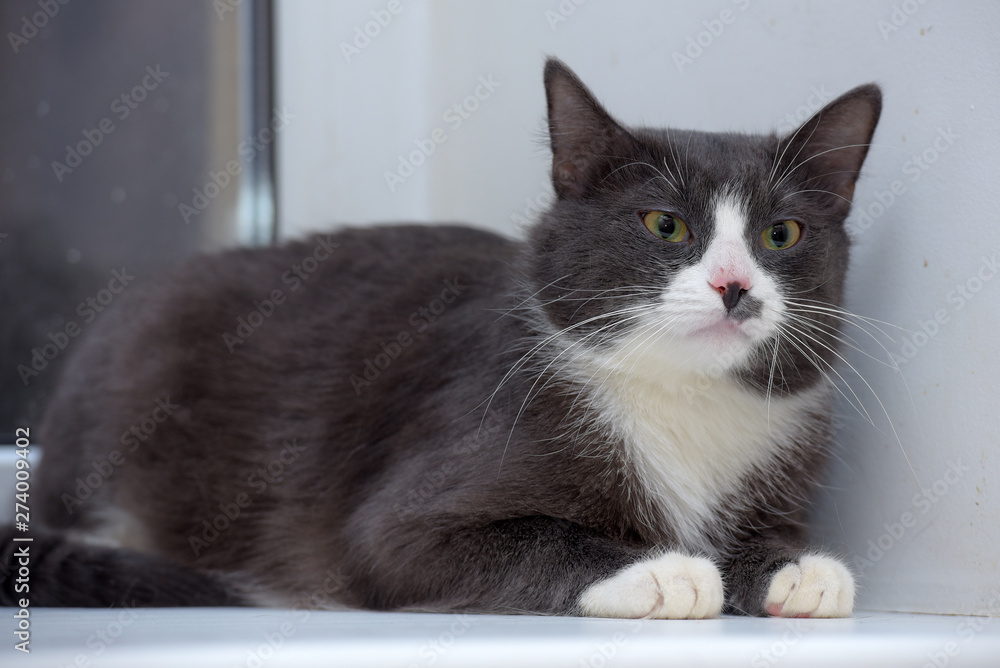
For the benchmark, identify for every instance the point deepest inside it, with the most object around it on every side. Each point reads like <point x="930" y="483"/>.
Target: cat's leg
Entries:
<point x="772" y="574"/>
<point x="539" y="565"/>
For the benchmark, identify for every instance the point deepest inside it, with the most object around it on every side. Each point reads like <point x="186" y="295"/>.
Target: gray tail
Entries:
<point x="54" y="571"/>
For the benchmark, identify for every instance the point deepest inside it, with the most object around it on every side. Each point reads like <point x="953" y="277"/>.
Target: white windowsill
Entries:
<point x="259" y="637"/>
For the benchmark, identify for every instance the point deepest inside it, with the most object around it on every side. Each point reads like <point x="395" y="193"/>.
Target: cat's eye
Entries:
<point x="781" y="235"/>
<point x="665" y="226"/>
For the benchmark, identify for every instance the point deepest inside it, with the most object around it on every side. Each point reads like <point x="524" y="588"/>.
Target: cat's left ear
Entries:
<point x="827" y="151"/>
<point x="585" y="138"/>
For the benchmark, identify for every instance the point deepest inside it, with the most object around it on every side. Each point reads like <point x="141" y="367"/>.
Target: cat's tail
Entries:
<point x="52" y="570"/>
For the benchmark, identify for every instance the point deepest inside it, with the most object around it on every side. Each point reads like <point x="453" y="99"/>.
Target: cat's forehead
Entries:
<point x="713" y="156"/>
<point x="706" y="168"/>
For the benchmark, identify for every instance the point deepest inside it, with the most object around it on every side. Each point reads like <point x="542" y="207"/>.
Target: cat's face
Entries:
<point x="697" y="250"/>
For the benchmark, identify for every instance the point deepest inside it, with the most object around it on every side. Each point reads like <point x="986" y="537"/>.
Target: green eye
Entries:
<point x="665" y="226"/>
<point x="781" y="235"/>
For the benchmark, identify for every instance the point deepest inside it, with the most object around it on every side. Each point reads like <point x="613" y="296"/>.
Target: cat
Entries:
<point x="622" y="415"/>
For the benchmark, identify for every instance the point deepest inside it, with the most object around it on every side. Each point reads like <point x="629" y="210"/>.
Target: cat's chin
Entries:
<point x="713" y="352"/>
<point x="709" y="350"/>
<point x="724" y="332"/>
<point x="724" y="342"/>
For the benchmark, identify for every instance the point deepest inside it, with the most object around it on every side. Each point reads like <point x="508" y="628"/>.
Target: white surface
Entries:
<point x="769" y="66"/>
<point x="199" y="637"/>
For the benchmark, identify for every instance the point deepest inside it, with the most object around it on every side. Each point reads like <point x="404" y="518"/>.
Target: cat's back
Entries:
<point x="251" y="349"/>
<point x="384" y="262"/>
<point x="243" y="302"/>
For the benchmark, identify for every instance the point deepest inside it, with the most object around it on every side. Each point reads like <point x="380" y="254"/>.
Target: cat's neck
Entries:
<point x="692" y="438"/>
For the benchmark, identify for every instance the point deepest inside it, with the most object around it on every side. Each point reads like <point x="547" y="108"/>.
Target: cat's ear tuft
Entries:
<point x="584" y="136"/>
<point x="827" y="151"/>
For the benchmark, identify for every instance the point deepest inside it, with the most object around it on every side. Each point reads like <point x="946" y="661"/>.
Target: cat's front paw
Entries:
<point x="671" y="586"/>
<point x="816" y="586"/>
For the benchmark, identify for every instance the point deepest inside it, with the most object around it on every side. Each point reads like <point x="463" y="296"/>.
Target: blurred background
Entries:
<point x="135" y="133"/>
<point x="113" y="114"/>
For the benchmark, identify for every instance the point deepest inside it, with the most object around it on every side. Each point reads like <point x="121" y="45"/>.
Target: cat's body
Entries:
<point x="443" y="419"/>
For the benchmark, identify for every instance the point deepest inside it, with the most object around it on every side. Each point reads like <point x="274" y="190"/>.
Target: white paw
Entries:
<point x="671" y="586"/>
<point x="815" y="587"/>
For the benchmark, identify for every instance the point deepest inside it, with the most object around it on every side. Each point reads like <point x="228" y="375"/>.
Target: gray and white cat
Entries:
<point x="624" y="415"/>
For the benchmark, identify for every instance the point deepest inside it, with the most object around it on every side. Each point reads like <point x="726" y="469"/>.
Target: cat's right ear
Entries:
<point x="828" y="150"/>
<point x="584" y="137"/>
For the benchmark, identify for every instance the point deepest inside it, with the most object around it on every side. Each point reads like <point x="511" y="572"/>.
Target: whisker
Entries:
<point x="834" y="333"/>
<point x="813" y="359"/>
<point x="789" y="142"/>
<point x="829" y="150"/>
<point x="660" y="174"/>
<point x="529" y="394"/>
<point x="531" y="296"/>
<point x="814" y="190"/>
<point x="770" y="378"/>
<point x="874" y="394"/>
<point x="830" y="308"/>
<point x="539" y="346"/>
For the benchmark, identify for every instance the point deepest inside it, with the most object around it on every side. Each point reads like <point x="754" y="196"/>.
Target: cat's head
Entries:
<point x="698" y="250"/>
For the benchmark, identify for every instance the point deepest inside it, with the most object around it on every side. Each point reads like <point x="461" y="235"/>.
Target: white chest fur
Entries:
<point x="692" y="438"/>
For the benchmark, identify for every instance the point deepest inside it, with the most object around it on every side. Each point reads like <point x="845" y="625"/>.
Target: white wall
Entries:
<point x="938" y="67"/>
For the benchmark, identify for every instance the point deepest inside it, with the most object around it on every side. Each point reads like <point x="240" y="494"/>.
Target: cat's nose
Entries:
<point x="731" y="292"/>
